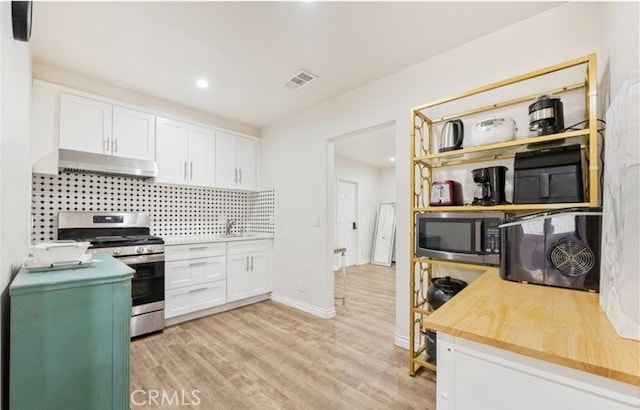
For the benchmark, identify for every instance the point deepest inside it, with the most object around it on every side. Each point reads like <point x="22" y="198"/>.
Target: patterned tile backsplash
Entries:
<point x="174" y="210"/>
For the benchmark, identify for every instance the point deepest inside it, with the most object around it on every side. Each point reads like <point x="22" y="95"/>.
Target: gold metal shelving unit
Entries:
<point x="424" y="161"/>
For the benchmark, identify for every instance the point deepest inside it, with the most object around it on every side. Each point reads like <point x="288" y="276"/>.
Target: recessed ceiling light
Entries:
<point x="392" y="159"/>
<point x="202" y="83"/>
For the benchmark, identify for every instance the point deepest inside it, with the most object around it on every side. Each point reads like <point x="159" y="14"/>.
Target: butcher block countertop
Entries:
<point x="562" y="326"/>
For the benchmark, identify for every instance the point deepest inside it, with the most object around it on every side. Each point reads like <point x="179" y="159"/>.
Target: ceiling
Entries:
<point x="373" y="148"/>
<point x="247" y="50"/>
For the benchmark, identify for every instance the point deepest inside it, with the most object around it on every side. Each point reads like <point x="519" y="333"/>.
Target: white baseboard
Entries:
<point x="216" y="309"/>
<point x="305" y="307"/>
<point x="401" y="341"/>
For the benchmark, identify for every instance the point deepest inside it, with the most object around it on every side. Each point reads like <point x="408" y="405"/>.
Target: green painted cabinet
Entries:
<point x="70" y="337"/>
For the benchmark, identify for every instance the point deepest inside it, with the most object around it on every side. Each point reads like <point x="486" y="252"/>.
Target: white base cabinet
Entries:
<point x="248" y="271"/>
<point x="195" y="278"/>
<point x="219" y="275"/>
<point x="474" y="376"/>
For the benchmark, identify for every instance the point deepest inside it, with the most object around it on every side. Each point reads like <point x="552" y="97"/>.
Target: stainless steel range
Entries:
<point x="126" y="236"/>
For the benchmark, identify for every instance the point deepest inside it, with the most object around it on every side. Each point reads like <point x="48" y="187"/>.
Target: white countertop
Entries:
<point x="185" y="240"/>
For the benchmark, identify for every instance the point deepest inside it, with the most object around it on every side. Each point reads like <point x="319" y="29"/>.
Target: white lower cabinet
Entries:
<point x="474" y="376"/>
<point x="195" y="278"/>
<point x="248" y="271"/>
<point x="209" y="275"/>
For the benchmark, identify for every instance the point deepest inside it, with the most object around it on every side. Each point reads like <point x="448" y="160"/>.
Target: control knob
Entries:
<point x="139" y="249"/>
<point x="150" y="249"/>
<point x="116" y="252"/>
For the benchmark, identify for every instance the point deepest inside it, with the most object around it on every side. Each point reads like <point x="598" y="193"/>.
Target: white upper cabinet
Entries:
<point x="85" y="125"/>
<point x="171" y="151"/>
<point x="202" y="156"/>
<point x="133" y="134"/>
<point x="185" y="154"/>
<point x="93" y="126"/>
<point x="235" y="162"/>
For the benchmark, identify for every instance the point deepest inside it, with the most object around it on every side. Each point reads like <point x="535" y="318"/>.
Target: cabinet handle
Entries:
<point x="236" y="177"/>
<point x="115" y="145"/>
<point x="252" y="264"/>
<point x="197" y="248"/>
<point x="185" y="170"/>
<point x="106" y="146"/>
<point x="197" y="290"/>
<point x="240" y="173"/>
<point x="197" y="263"/>
<point x="191" y="170"/>
<point x="247" y="269"/>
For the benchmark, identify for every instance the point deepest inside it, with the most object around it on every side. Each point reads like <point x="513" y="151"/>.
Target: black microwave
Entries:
<point x="472" y="237"/>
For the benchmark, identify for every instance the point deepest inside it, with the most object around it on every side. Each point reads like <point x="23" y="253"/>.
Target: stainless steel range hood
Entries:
<point x="88" y="162"/>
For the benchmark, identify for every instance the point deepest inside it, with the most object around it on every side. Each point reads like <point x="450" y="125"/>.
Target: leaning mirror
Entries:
<point x="385" y="234"/>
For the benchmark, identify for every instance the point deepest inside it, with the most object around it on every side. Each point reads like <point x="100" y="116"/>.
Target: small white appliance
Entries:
<point x="493" y="130"/>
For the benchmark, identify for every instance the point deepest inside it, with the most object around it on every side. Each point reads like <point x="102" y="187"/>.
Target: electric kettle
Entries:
<point x="451" y="136"/>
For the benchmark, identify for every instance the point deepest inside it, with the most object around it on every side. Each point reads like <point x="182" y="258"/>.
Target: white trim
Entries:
<point x="305" y="307"/>
<point x="401" y="341"/>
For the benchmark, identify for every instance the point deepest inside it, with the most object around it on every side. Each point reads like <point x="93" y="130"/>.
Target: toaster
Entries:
<point x="446" y="192"/>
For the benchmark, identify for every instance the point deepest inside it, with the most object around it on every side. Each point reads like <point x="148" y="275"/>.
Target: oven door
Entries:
<point x="147" y="284"/>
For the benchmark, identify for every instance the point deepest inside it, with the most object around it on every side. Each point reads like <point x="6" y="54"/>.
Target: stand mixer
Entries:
<point x="489" y="185"/>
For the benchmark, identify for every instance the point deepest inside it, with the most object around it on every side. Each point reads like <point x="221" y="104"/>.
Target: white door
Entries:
<point x="133" y="134"/>
<point x="226" y="155"/>
<point x="238" y="276"/>
<point x="85" y="125"/>
<point x="246" y="163"/>
<point x="202" y="156"/>
<point x="347" y="222"/>
<point x="171" y="151"/>
<point x="259" y="277"/>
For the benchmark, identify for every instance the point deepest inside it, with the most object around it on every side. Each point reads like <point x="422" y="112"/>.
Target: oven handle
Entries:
<point x="133" y="260"/>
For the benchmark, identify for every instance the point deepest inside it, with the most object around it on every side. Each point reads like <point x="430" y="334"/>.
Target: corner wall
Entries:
<point x="15" y="172"/>
<point x="294" y="149"/>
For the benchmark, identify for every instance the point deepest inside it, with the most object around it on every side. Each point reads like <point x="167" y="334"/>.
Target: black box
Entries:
<point x="552" y="175"/>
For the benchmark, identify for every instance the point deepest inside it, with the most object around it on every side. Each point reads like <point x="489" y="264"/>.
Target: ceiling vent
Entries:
<point x="301" y="78"/>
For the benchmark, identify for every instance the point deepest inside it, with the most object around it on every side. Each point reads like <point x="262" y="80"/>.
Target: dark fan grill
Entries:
<point x="572" y="258"/>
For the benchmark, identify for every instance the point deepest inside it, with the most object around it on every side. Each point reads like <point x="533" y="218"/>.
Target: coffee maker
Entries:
<point x="490" y="185"/>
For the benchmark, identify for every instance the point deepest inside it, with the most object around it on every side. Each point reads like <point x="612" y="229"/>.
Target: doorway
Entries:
<point x="347" y="221"/>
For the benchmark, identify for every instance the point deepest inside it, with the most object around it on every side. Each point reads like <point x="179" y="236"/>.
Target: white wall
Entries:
<point x="295" y="154"/>
<point x="15" y="171"/>
<point x="387" y="188"/>
<point x="368" y="200"/>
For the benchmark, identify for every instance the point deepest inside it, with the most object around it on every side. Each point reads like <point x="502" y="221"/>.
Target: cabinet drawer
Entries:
<point x="192" y="272"/>
<point x="193" y="298"/>
<point x="237" y="247"/>
<point x="194" y="251"/>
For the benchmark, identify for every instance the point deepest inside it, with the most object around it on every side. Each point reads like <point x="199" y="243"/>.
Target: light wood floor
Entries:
<point x="269" y="356"/>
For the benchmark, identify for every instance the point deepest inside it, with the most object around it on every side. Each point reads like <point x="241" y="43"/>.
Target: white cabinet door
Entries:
<point x="193" y="272"/>
<point x="133" y="134"/>
<point x="85" y="125"/>
<point x="246" y="163"/>
<point x="44" y="128"/>
<point x="189" y="299"/>
<point x="202" y="156"/>
<point x="259" y="274"/>
<point x="226" y="154"/>
<point x="171" y="151"/>
<point x="237" y="277"/>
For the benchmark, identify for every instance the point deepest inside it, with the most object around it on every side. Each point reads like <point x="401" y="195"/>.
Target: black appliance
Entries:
<point x="440" y="292"/>
<point x="552" y="175"/>
<point x="126" y="236"/>
<point x="490" y="185"/>
<point x="546" y="116"/>
<point x="472" y="237"/>
<point x="557" y="248"/>
<point x="451" y="136"/>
